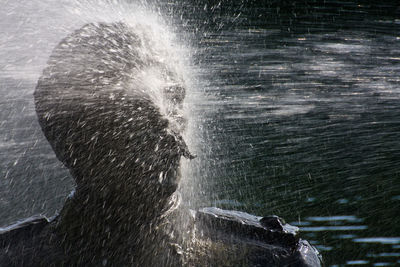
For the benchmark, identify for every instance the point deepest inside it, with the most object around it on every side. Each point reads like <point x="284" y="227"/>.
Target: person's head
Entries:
<point x="113" y="139"/>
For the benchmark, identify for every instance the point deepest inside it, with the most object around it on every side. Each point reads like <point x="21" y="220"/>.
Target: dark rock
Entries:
<point x="306" y="254"/>
<point x="250" y="242"/>
<point x="243" y="224"/>
<point x="273" y="222"/>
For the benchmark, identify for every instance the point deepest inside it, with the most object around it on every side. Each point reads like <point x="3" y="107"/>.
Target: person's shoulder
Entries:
<point x="22" y="230"/>
<point x="20" y="241"/>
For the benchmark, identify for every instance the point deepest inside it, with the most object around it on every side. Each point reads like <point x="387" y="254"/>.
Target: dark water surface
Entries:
<point x="306" y="120"/>
<point x="301" y="119"/>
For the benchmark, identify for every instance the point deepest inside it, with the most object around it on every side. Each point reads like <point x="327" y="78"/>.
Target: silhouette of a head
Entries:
<point x="101" y="123"/>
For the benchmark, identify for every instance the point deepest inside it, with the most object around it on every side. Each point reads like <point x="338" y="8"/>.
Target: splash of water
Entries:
<point x="41" y="24"/>
<point x="166" y="52"/>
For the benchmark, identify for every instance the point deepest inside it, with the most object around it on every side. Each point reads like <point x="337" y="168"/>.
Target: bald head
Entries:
<point x="100" y="120"/>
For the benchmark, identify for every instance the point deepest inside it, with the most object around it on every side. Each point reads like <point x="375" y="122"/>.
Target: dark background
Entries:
<point x="306" y="100"/>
